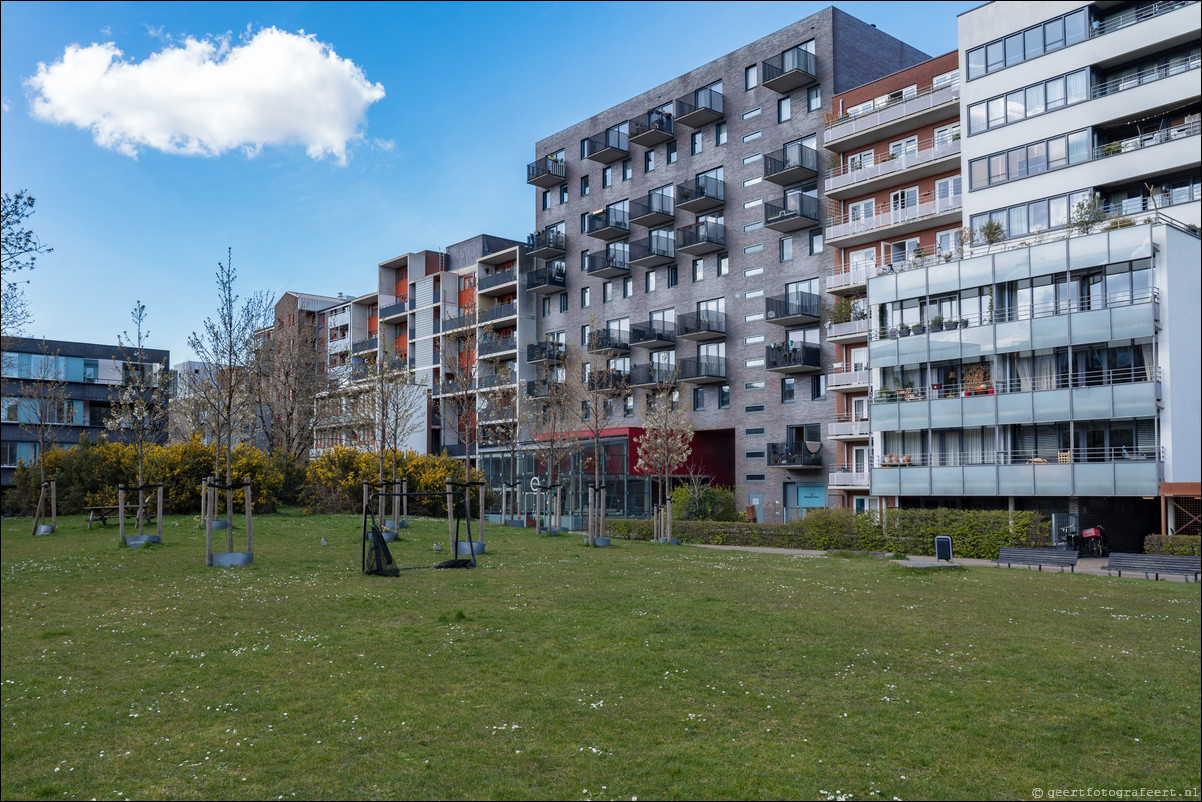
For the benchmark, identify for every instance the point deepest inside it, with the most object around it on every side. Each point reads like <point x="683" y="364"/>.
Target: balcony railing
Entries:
<point x="791" y="164"/>
<point x="642" y="375"/>
<point x="700" y="238"/>
<point x="658" y="249"/>
<point x="700" y="108"/>
<point x="541" y="388"/>
<point x="370" y="344"/>
<point x="896" y="110"/>
<point x="656" y="209"/>
<point x="497" y="345"/>
<point x="1158" y="137"/>
<point x="793" y="213"/>
<point x="928" y="157"/>
<point x="490" y="381"/>
<point x="703" y="194"/>
<point x="611" y="381"/>
<point x="925" y="210"/>
<point x="611" y="224"/>
<point x="463" y="321"/>
<point x="546" y="351"/>
<point x="702" y="369"/>
<point x="795" y="454"/>
<point x="400" y="307"/>
<point x="847" y="479"/>
<point x="546" y="173"/>
<point x="604" y="341"/>
<point x="653" y="334"/>
<point x="546" y="279"/>
<point x="547" y="244"/>
<point x="791" y="309"/>
<point x="1035" y="456"/>
<point x="1027" y="384"/>
<point x="497" y="312"/>
<point x="653" y="128"/>
<point x="610" y="264"/>
<point x="702" y="325"/>
<point x="607" y="146"/>
<point x="846" y="427"/>
<point x="497" y="279"/>
<point x="795" y="358"/>
<point x="791" y="70"/>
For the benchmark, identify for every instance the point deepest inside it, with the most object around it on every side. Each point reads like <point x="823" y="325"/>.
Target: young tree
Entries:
<point x="21" y="248"/>
<point x="992" y="232"/>
<point x="395" y="403"/>
<point x="502" y="423"/>
<point x="226" y="347"/>
<point x="666" y="442"/>
<point x="1087" y="214"/>
<point x="43" y="408"/>
<point x="285" y="384"/>
<point x="138" y="406"/>
<point x="552" y="417"/>
<point x="598" y="393"/>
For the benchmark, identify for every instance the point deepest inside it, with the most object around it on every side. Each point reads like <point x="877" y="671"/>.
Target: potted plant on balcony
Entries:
<point x="937" y="323"/>
<point x="903" y="330"/>
<point x="951" y="325"/>
<point x="919" y="328"/>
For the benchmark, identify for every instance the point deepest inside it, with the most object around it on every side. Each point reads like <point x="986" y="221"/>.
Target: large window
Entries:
<point x="1029" y="44"/>
<point x="1027" y="160"/>
<point x="1050" y="95"/>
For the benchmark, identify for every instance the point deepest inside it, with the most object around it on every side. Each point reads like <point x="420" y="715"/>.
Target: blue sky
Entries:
<point x="396" y="128"/>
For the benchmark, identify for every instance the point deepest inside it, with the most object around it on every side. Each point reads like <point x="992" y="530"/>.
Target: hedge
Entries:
<point x="975" y="533"/>
<point x="1178" y="545"/>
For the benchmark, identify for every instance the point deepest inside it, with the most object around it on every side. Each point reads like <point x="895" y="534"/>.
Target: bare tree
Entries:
<point x="502" y="423"/>
<point x="395" y="403"/>
<point x="552" y="417"/>
<point x="285" y="384"/>
<point x="598" y="391"/>
<point x="458" y="382"/>
<point x="139" y="403"/>
<point x="43" y="407"/>
<point x="21" y="248"/>
<point x="666" y="442"/>
<point x="226" y="346"/>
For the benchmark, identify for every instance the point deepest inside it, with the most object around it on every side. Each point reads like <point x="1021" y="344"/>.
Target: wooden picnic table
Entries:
<point x="103" y="512"/>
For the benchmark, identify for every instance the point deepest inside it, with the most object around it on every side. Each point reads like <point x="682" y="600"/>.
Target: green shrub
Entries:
<point x="708" y="503"/>
<point x="1177" y="545"/>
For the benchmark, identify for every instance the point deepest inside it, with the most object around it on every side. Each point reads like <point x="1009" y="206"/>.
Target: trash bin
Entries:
<point x="943" y="548"/>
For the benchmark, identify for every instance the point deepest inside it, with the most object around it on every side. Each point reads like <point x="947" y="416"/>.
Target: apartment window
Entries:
<point x="755" y="157"/>
<point x="698" y="398"/>
<point x="787" y="390"/>
<point x="628" y="409"/>
<point x="947" y="133"/>
<point x="698" y="269"/>
<point x="628" y="286"/>
<point x="818" y="386"/>
<point x="563" y="302"/>
<point x="817" y="242"/>
<point x="672" y="152"/>
<point x="649" y="281"/>
<point x="648" y="161"/>
<point x="755" y="385"/>
<point x="786" y="249"/>
<point x="584" y="148"/>
<point x="751" y="77"/>
<point x="546" y="305"/>
<point x="695" y="143"/>
<point x="814" y="98"/>
<point x="563" y="193"/>
<point x="673" y="277"/>
<point x="723" y="263"/>
<point x="1029" y="44"/>
<point x="754" y="409"/>
<point x="607" y="177"/>
<point x="584" y="299"/>
<point x="751" y="182"/>
<point x="784" y="110"/>
<point x="747" y="115"/>
<point x="607" y="292"/>
<point x="584" y="335"/>
<point x="754" y="431"/>
<point x="583" y="185"/>
<point x="756" y="226"/>
<point x="753" y="136"/>
<point x="750" y="249"/>
<point x="724" y="397"/>
<point x="583" y="222"/>
<point x="720" y="134"/>
<point x="627" y="169"/>
<point x="546" y="199"/>
<point x="752" y="272"/>
<point x="584" y="260"/>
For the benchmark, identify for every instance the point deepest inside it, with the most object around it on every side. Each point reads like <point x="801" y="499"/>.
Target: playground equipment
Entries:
<point x="377" y="559"/>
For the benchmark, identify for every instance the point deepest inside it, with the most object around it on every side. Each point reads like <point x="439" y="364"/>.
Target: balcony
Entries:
<point x="498" y="312"/>
<point x="928" y="211"/>
<point x="458" y="385"/>
<point x="493" y="345"/>
<point x="848" y="428"/>
<point x="464" y="321"/>
<point x="653" y="128"/>
<point x="546" y="280"/>
<point x="791" y="70"/>
<point x="793" y="358"/>
<point x="609" y="342"/>
<point x="551" y="353"/>
<point x="495" y="381"/>
<point x="658" y="249"/>
<point x="541" y="388"/>
<point x="700" y="238"/>
<point x="848" y="378"/>
<point x="701" y="326"/>
<point x="703" y="194"/>
<point x="852" y="331"/>
<point x="370" y="344"/>
<point x="791" y="164"/>
<point x="608" y="146"/>
<point x="657" y="209"/>
<point x="702" y="370"/>
<point x="847" y="480"/>
<point x="496" y="283"/>
<point x="865" y="176"/>
<point x="614" y="381"/>
<point x="643" y="375"/>
<point x="401" y="307"/>
<point x="700" y="108"/>
<point x="793" y="213"/>
<point x="896" y="114"/>
<point x="546" y="173"/>
<point x="611" y="264"/>
<point x="548" y="244"/>
<point x="654" y="334"/>
<point x="610" y="224"/>
<point x="796" y="454"/>
<point x="460" y="450"/>
<point x="850" y="279"/>
<point x="793" y="309"/>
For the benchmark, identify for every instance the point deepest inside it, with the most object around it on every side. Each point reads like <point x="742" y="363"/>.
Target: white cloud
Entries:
<point x="206" y="97"/>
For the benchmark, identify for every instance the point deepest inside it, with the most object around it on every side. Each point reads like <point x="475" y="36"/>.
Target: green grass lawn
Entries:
<point x="555" y="671"/>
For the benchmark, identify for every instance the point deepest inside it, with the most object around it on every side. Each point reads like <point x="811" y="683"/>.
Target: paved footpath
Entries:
<point x="1085" y="565"/>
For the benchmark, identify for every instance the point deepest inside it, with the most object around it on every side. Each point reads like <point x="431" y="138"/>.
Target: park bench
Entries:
<point x="1038" y="557"/>
<point x="108" y="511"/>
<point x="1155" y="564"/>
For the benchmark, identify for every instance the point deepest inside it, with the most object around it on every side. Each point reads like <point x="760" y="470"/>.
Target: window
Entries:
<point x="563" y="302"/>
<point x="818" y="386"/>
<point x="672" y="276"/>
<point x="723" y="263"/>
<point x="755" y="385"/>
<point x="751" y="77"/>
<point x="628" y="286"/>
<point x="814" y="98"/>
<point x="947" y="133"/>
<point x="607" y="177"/>
<point x="583" y="225"/>
<point x="786" y="249"/>
<point x="583" y="340"/>
<point x="753" y="409"/>
<point x="787" y="390"/>
<point x="584" y="148"/>
<point x="747" y="115"/>
<point x="649" y="281"/>
<point x="563" y="193"/>
<point x="584" y="260"/>
<point x="755" y="157"/>
<point x="698" y="398"/>
<point x="753" y="136"/>
<point x="750" y="249"/>
<point x="754" y="431"/>
<point x="724" y="397"/>
<point x="698" y="269"/>
<point x="628" y="410"/>
<point x="627" y="169"/>
<point x="546" y="199"/>
<point x="695" y="143"/>
<point x="816" y="241"/>
<point x="583" y="185"/>
<point x="584" y="299"/>
<point x="648" y="160"/>
<point x="672" y="152"/>
<point x="546" y="305"/>
<point x="720" y="134"/>
<point x="755" y="339"/>
<point x="784" y="110"/>
<point x="607" y="292"/>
